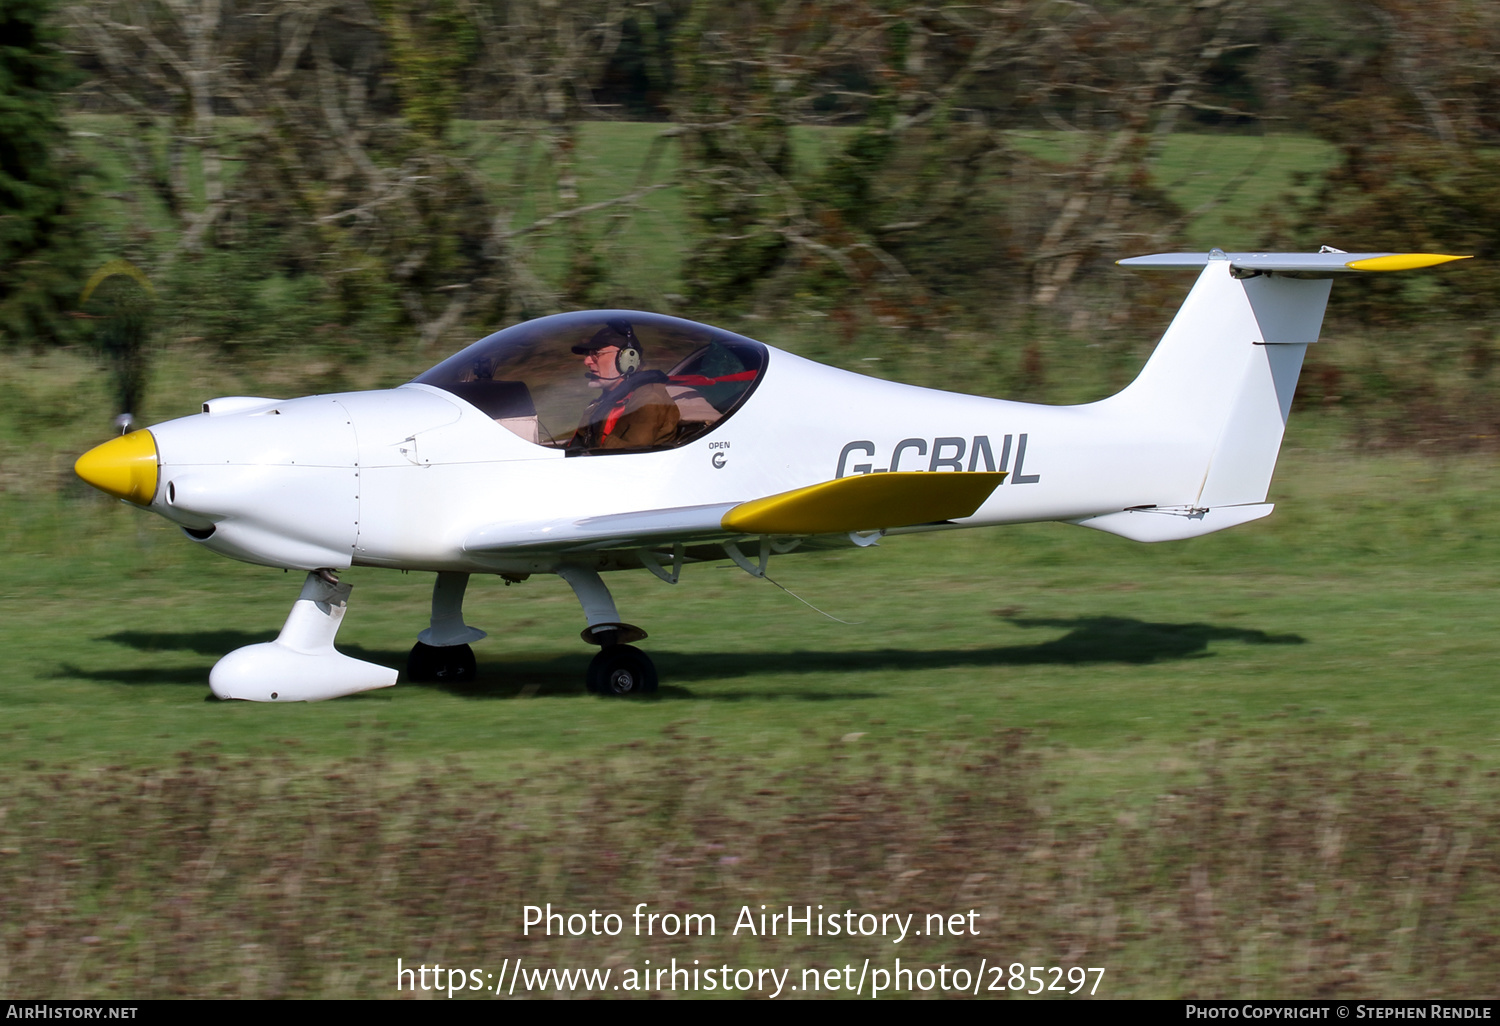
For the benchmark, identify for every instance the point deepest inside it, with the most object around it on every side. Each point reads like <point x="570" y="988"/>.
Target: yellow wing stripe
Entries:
<point x="1402" y="261"/>
<point x="865" y="502"/>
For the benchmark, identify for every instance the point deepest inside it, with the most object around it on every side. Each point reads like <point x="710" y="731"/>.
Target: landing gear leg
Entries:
<point x="442" y="653"/>
<point x="619" y="668"/>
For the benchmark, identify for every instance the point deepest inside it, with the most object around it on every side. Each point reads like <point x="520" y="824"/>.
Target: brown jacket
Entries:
<point x="645" y="417"/>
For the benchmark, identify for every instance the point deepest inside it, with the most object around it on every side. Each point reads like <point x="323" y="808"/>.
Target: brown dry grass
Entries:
<point x="1286" y="871"/>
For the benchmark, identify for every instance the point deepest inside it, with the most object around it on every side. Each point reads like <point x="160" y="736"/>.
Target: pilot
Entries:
<point x="634" y="409"/>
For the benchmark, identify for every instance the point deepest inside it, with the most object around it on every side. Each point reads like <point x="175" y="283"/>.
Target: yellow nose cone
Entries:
<point x="125" y="467"/>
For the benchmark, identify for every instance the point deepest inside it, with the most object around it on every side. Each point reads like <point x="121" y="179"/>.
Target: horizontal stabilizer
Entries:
<point x="866" y="502"/>
<point x="1292" y="263"/>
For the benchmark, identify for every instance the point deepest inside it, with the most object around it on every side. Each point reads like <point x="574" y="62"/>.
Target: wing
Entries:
<point x="858" y="504"/>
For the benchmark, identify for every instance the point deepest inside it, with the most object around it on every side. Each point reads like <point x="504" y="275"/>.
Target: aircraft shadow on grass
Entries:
<point x="1089" y="640"/>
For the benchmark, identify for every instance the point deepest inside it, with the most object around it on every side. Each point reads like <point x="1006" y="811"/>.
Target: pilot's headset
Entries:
<point x="630" y="356"/>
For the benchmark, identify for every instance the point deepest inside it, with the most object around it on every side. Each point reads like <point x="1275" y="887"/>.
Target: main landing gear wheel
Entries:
<point x="621" y="670"/>
<point x="446" y="664"/>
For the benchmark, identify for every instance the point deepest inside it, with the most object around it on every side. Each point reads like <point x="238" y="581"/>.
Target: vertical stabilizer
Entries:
<point x="1207" y="413"/>
<point x="1225" y="372"/>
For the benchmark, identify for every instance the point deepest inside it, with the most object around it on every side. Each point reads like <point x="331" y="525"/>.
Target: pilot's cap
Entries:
<point x="614" y="333"/>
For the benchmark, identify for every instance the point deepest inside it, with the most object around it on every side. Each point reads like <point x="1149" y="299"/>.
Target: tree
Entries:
<point x="929" y="201"/>
<point x="41" y="182"/>
<point x="1417" y="167"/>
<point x="170" y="64"/>
<point x="1417" y="170"/>
<point x="344" y="174"/>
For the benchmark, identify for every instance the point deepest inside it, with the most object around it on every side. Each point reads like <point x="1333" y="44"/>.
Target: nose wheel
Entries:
<point x="621" y="670"/>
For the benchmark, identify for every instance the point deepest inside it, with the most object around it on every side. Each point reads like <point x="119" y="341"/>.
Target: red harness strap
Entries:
<point x="613" y="417"/>
<point x="699" y="380"/>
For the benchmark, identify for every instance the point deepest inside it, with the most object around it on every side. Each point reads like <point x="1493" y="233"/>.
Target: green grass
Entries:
<point x="1362" y="606"/>
<point x="644" y="254"/>
<point x="1246" y="175"/>
<point x="1243" y="176"/>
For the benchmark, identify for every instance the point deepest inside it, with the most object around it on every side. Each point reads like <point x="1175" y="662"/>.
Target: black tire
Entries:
<point x="447" y="664"/>
<point x="621" y="670"/>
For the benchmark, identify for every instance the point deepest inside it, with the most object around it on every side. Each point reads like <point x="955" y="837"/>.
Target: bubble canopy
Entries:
<point x="529" y="380"/>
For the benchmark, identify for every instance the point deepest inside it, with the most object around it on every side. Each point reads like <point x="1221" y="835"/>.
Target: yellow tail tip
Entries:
<point x="1403" y="261"/>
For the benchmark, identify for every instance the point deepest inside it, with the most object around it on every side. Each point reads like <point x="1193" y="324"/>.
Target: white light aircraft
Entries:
<point x="615" y="440"/>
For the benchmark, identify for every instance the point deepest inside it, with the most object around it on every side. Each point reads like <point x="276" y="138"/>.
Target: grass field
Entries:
<point x="1331" y="667"/>
<point x="1361" y="607"/>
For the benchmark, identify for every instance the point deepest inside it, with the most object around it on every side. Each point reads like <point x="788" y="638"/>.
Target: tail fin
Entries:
<point x="1226" y="369"/>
